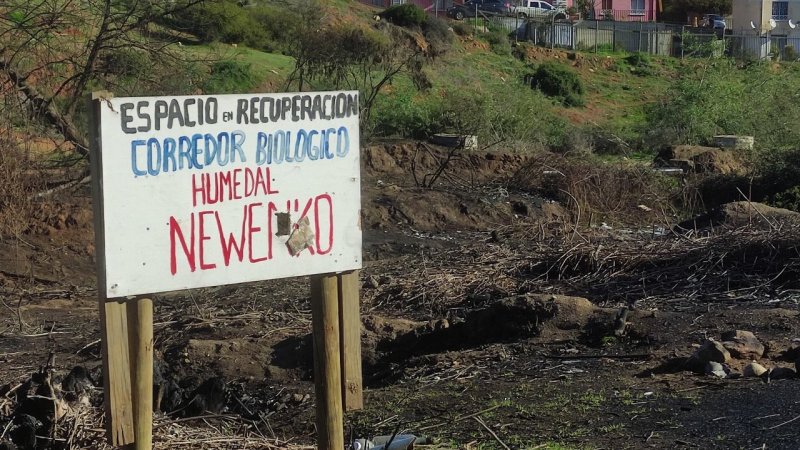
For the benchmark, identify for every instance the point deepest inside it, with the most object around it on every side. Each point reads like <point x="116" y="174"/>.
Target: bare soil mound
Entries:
<point x="434" y="189"/>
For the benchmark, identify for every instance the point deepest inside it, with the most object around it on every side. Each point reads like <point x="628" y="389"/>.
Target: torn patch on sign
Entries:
<point x="301" y="237"/>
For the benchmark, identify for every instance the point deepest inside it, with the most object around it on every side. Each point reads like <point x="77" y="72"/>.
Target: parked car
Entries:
<point x="536" y="8"/>
<point x="486" y="7"/>
<point x="714" y="21"/>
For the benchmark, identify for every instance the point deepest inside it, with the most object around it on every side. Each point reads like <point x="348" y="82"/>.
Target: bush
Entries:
<point x="463" y="29"/>
<point x="220" y="20"/>
<point x="437" y="32"/>
<point x="789" y="199"/>
<point x="498" y="43"/>
<point x="789" y="53"/>
<point x="405" y="15"/>
<point x="557" y="80"/>
<point x="506" y="113"/>
<point x="228" y="77"/>
<point x="723" y="98"/>
<point x="281" y="27"/>
<point x="126" y="62"/>
<point x="639" y="59"/>
<point x="641" y="63"/>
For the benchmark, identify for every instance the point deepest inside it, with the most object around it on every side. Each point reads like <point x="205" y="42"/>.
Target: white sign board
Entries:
<point x="210" y="190"/>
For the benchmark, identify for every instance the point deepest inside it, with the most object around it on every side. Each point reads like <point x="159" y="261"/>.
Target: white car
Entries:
<point x="535" y="8"/>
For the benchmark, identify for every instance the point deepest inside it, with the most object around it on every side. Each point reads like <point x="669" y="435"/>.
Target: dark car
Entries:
<point x="485" y="7"/>
<point x="713" y="21"/>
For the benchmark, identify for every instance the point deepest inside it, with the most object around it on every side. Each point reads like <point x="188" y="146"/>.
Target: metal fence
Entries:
<point x="649" y="37"/>
<point x="623" y="15"/>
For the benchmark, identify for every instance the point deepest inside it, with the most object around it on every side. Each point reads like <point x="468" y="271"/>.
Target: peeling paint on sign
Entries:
<point x="301" y="237"/>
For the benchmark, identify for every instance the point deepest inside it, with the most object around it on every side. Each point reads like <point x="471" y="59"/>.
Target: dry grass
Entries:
<point x="593" y="189"/>
<point x="744" y="264"/>
<point x="18" y="182"/>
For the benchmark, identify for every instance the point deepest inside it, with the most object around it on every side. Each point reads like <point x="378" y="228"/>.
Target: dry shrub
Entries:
<point x="605" y="191"/>
<point x="18" y="182"/>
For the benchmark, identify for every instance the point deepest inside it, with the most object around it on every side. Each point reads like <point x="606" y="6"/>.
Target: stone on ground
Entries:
<point x="754" y="369"/>
<point x="709" y="351"/>
<point x="742" y="344"/>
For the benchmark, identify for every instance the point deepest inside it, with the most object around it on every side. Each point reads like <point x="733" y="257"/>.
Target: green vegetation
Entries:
<point x="725" y="98"/>
<point x="498" y="42"/>
<point x="229" y="77"/>
<point x="641" y="63"/>
<point x="404" y="15"/>
<point x="417" y="77"/>
<point x="558" y="80"/>
<point x="463" y="29"/>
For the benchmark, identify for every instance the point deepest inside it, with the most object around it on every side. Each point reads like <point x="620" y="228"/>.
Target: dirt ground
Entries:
<point x="489" y="320"/>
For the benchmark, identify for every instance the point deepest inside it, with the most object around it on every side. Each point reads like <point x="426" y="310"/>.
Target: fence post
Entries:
<point x="596" y="31"/>
<point x="641" y="29"/>
<point x="683" y="37"/>
<point x="476" y="19"/>
<point x="658" y="49"/>
<point x="613" y="36"/>
<point x="573" y="34"/>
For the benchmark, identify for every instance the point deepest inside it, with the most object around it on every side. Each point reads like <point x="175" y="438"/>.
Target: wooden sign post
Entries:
<point x="198" y="191"/>
<point x="140" y="343"/>
<point x="350" y="340"/>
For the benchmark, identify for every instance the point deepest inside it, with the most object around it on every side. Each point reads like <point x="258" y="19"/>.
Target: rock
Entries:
<point x="734" y="142"/>
<point x="742" y="344"/>
<point x="792" y="354"/>
<point x="754" y="369"/>
<point x="716" y="369"/>
<point x="297" y="398"/>
<point x="781" y="373"/>
<point x="709" y="351"/>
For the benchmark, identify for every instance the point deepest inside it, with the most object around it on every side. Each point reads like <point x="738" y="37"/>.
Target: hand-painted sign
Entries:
<point x="211" y="190"/>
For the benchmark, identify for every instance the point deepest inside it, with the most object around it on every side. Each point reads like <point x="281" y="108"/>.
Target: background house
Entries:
<point x="624" y="10"/>
<point x="760" y="12"/>
<point x="769" y="25"/>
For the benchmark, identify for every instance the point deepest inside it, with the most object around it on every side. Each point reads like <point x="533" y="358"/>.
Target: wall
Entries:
<point x="745" y="11"/>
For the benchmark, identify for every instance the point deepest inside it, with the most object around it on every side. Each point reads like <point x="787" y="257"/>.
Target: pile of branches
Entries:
<point x="729" y="265"/>
<point x="45" y="411"/>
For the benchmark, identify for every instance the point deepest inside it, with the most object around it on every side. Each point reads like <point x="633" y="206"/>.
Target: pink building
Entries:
<point x="624" y="10"/>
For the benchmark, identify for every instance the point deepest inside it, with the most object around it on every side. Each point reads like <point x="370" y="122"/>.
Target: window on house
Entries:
<point x="607" y="5"/>
<point x="398" y="2"/>
<point x="780" y="10"/>
<point x="637" y="6"/>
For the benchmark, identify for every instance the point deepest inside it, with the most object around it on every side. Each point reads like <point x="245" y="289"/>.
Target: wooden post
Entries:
<point x="116" y="372"/>
<point x="327" y="366"/>
<point x="113" y="315"/>
<point x="350" y="341"/>
<point x="140" y="335"/>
